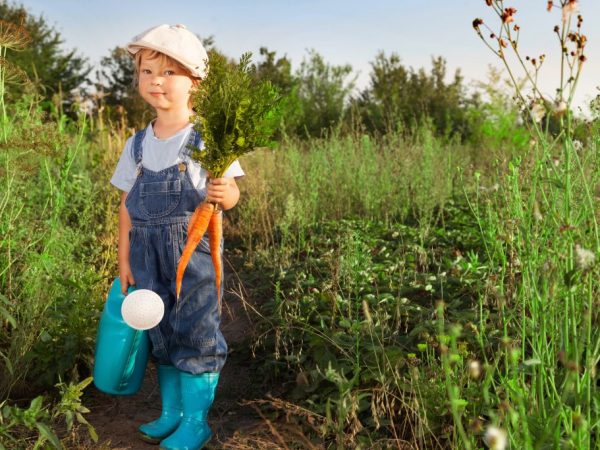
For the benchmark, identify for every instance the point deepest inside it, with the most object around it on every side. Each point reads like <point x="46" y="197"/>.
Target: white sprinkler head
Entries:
<point x="142" y="309"/>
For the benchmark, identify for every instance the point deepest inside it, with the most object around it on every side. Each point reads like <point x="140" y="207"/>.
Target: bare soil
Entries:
<point x="116" y="418"/>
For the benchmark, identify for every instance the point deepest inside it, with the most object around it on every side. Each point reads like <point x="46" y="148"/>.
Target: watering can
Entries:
<point x="121" y="351"/>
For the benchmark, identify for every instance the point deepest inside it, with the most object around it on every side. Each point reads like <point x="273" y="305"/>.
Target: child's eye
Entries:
<point x="170" y="72"/>
<point x="145" y="70"/>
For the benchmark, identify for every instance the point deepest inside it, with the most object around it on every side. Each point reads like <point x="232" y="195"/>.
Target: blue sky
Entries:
<point x="343" y="31"/>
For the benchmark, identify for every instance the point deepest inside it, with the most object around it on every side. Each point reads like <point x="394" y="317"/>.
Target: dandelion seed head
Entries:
<point x="537" y="112"/>
<point x="474" y="369"/>
<point x="495" y="438"/>
<point x="584" y="258"/>
<point x="560" y="108"/>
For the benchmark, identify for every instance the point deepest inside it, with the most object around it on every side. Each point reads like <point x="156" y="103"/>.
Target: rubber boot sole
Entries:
<point x="202" y="445"/>
<point x="149" y="439"/>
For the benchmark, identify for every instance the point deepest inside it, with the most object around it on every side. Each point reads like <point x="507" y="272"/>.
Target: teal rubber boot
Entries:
<point x="170" y="394"/>
<point x="197" y="395"/>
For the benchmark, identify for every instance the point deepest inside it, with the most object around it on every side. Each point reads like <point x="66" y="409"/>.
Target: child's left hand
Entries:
<point x="223" y="191"/>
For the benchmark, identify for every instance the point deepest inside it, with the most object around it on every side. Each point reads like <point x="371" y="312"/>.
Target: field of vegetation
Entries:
<point x="416" y="281"/>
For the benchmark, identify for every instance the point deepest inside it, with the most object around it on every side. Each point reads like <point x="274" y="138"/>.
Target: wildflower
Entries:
<point x="560" y="108"/>
<point x="488" y="2"/>
<point x="502" y="42"/>
<point x="537" y="112"/>
<point x="495" y="438"/>
<point x="549" y="6"/>
<point x="583" y="258"/>
<point x="477" y="23"/>
<point x="577" y="145"/>
<point x="507" y="15"/>
<point x="474" y="369"/>
<point x="570" y="7"/>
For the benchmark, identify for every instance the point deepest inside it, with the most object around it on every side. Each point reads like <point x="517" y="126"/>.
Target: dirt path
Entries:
<point x="116" y="418"/>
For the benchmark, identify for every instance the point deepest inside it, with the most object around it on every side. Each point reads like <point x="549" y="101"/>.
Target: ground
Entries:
<point x="116" y="418"/>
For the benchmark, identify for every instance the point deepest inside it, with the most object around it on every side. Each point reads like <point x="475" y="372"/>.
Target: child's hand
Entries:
<point x="223" y="191"/>
<point x="126" y="278"/>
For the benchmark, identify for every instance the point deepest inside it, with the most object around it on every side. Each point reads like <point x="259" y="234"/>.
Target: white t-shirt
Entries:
<point x="158" y="154"/>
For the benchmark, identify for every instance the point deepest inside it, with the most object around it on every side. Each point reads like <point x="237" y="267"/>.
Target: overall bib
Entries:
<point x="160" y="204"/>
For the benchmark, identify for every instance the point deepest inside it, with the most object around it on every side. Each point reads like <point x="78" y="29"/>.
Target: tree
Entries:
<point x="322" y="91"/>
<point x="52" y="69"/>
<point x="398" y="96"/>
<point x="279" y="72"/>
<point x="116" y="78"/>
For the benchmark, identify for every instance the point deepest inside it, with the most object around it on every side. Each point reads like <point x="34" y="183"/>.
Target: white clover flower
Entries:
<point x="583" y="258"/>
<point x="577" y="145"/>
<point x="495" y="438"/>
<point x="537" y="112"/>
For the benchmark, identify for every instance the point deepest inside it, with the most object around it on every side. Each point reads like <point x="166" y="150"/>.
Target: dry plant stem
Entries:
<point x="506" y="27"/>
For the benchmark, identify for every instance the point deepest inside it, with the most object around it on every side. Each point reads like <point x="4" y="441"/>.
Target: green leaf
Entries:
<point x="92" y="433"/>
<point x="8" y="317"/>
<point x="36" y="404"/>
<point x="47" y="434"/>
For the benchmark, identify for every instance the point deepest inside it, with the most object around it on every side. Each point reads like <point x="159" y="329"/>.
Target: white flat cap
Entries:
<point x="175" y="41"/>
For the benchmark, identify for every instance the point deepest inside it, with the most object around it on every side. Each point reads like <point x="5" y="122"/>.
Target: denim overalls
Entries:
<point x="160" y="205"/>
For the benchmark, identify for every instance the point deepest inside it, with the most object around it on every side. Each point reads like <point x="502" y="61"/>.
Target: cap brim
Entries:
<point x="136" y="47"/>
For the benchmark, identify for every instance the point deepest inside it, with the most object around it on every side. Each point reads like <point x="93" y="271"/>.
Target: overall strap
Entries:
<point x="193" y="140"/>
<point x="137" y="146"/>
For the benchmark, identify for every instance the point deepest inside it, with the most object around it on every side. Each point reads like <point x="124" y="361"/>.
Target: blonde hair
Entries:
<point x="163" y="60"/>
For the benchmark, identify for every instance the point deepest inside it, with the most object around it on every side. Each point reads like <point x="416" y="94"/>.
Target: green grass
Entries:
<point x="353" y="335"/>
<point x="380" y="268"/>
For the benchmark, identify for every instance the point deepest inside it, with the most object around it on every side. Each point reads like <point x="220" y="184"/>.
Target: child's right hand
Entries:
<point x="126" y="278"/>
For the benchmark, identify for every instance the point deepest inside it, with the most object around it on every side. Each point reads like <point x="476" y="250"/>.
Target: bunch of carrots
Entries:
<point x="235" y="114"/>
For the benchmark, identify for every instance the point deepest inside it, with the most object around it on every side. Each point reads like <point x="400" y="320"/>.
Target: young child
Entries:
<point x="162" y="187"/>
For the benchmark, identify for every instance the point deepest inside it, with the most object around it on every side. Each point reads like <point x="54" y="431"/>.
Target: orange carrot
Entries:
<point x="195" y="234"/>
<point x="215" y="232"/>
<point x="193" y="218"/>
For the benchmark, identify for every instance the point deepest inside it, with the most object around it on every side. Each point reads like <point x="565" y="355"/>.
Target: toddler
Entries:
<point x="162" y="186"/>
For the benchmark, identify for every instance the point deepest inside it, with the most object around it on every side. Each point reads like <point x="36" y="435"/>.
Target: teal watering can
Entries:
<point x="121" y="351"/>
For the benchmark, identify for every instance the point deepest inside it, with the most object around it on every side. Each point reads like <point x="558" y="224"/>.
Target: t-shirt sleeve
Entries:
<point x="125" y="173"/>
<point x="234" y="170"/>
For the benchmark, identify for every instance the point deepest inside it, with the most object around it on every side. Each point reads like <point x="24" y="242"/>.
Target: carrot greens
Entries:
<point x="234" y="113"/>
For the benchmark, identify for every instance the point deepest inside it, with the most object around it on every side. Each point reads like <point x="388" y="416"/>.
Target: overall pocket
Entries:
<point x="160" y="198"/>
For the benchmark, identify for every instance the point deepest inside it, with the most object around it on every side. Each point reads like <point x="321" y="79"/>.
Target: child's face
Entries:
<point x="165" y="87"/>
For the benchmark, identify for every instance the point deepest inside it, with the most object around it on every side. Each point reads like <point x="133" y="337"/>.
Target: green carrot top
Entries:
<point x="234" y="113"/>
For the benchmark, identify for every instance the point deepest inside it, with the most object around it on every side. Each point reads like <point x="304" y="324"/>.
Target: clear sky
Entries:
<point x="343" y="31"/>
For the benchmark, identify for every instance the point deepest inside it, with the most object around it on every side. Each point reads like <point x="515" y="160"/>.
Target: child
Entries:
<point x="162" y="187"/>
